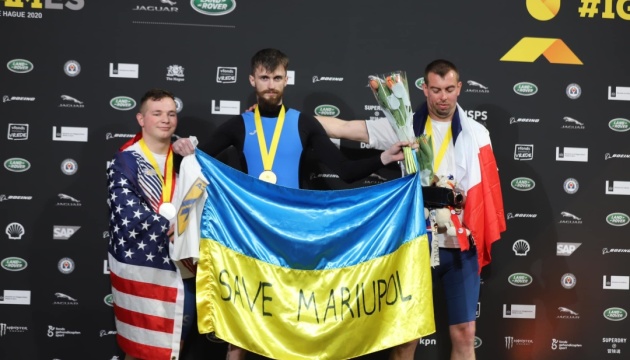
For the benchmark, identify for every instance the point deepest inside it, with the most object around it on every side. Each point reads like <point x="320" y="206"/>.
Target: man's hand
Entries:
<point x="395" y="152"/>
<point x="183" y="147"/>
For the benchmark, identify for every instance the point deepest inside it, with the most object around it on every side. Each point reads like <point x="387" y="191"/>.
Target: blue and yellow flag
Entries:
<point x="299" y="274"/>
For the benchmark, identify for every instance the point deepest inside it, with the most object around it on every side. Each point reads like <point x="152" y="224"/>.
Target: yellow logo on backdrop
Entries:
<point x="37" y="4"/>
<point x="543" y="10"/>
<point x="528" y="49"/>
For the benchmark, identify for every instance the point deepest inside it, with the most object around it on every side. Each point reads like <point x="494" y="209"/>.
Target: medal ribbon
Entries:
<point x="168" y="181"/>
<point x="268" y="156"/>
<point x="428" y="129"/>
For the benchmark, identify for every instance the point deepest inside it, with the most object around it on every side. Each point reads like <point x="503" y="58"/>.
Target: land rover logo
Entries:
<point x="617" y="219"/>
<point x="615" y="314"/>
<point x="213" y="7"/>
<point x="419" y="83"/>
<point x="477" y="342"/>
<point x="20" y="66"/>
<point x="123" y="103"/>
<point x="619" y="124"/>
<point x="525" y="89"/>
<point x="17" y="164"/>
<point x="523" y="184"/>
<point x="109" y="300"/>
<point x="520" y="279"/>
<point x="13" y="264"/>
<point x="327" y="110"/>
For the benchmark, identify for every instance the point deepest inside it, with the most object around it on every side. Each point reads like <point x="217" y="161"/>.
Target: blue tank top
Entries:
<point x="286" y="164"/>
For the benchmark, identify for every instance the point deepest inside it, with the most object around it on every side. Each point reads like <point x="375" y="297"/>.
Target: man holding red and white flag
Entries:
<point x="463" y="154"/>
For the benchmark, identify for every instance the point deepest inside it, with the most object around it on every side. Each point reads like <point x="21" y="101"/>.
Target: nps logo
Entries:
<point x="213" y="7"/>
<point x="615" y="314"/>
<point x="123" y="103"/>
<point x="525" y="89"/>
<point x="17" y="164"/>
<point x="520" y="279"/>
<point x="20" y="66"/>
<point x="619" y="125"/>
<point x="617" y="219"/>
<point x="529" y="49"/>
<point x="327" y="110"/>
<point x="523" y="184"/>
<point x="13" y="264"/>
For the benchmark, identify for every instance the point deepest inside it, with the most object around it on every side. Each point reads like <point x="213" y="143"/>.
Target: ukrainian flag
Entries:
<point x="298" y="274"/>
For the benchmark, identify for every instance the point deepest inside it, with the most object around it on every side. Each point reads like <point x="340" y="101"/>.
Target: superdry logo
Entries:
<point x="326" y="78"/>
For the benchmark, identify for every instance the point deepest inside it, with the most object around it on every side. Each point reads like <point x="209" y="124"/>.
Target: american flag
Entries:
<point x="146" y="286"/>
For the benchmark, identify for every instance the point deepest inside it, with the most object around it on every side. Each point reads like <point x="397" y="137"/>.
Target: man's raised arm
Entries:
<point x="344" y="129"/>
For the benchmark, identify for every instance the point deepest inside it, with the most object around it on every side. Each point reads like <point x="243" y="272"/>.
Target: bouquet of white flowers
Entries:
<point x="392" y="94"/>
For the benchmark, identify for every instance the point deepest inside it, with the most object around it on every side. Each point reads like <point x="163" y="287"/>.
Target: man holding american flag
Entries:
<point x="153" y="306"/>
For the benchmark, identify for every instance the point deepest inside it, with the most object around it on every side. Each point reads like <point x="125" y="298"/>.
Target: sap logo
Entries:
<point x="64" y="232"/>
<point x="566" y="249"/>
<point x="477" y="114"/>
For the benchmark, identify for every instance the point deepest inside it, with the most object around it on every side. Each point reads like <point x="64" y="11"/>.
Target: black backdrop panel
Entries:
<point x="55" y="221"/>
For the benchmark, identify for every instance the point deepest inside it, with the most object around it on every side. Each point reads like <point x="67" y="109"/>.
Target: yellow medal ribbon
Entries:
<point x="268" y="156"/>
<point x="428" y="129"/>
<point x="168" y="180"/>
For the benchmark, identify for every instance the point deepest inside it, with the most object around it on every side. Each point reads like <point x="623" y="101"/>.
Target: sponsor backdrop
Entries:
<point x="549" y="79"/>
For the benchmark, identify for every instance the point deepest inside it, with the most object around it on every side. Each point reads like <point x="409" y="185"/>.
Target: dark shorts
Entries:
<point x="190" y="307"/>
<point x="459" y="277"/>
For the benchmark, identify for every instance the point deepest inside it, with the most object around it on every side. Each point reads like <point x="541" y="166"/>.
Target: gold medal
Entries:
<point x="268" y="156"/>
<point x="268" y="176"/>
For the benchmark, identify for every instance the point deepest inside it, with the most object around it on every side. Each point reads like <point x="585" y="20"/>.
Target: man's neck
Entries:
<point x="441" y="119"/>
<point x="157" y="146"/>
<point x="269" y="110"/>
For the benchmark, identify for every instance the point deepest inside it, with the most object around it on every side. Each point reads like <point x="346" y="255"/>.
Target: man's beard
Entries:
<point x="269" y="104"/>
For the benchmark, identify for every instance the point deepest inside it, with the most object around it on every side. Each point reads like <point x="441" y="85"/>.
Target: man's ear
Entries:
<point x="251" y="80"/>
<point x="140" y="119"/>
